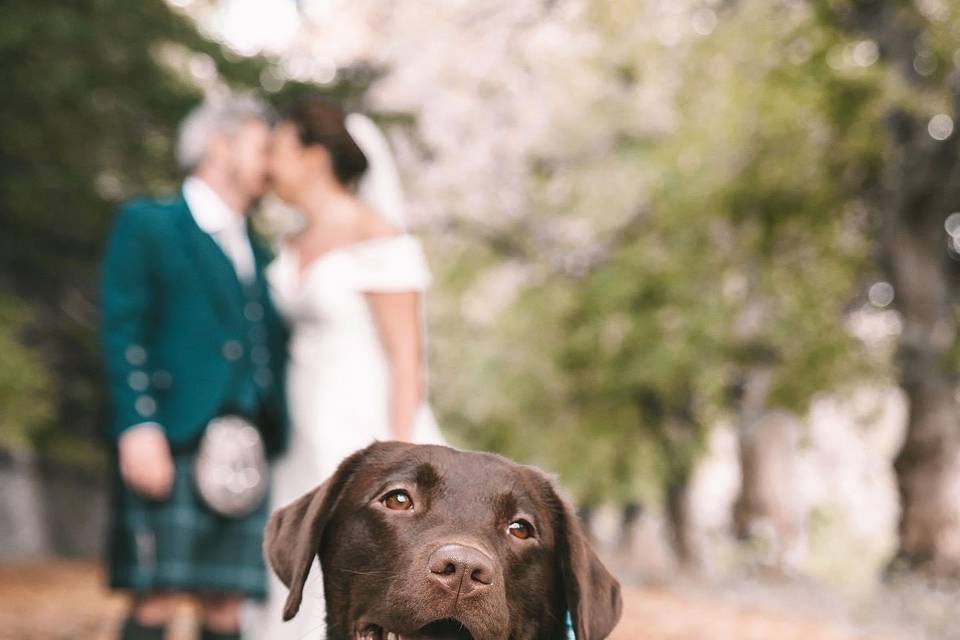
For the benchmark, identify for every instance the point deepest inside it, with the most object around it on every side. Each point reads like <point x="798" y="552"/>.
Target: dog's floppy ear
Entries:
<point x="292" y="537"/>
<point x="592" y="594"/>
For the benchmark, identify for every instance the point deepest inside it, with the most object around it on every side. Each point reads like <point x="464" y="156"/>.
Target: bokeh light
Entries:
<point x="880" y="294"/>
<point x="940" y="127"/>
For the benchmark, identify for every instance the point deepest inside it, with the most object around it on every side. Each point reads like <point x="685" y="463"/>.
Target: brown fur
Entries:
<point x="380" y="566"/>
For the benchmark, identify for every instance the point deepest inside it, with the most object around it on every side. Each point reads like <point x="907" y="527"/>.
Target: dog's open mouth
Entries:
<point x="439" y="630"/>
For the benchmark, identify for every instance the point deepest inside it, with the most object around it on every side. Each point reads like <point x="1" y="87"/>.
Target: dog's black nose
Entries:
<point x="463" y="568"/>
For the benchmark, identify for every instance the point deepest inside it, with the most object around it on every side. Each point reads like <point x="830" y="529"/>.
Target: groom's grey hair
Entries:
<point x="224" y="115"/>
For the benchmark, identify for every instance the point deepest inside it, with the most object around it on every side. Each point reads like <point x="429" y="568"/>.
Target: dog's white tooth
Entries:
<point x="392" y="636"/>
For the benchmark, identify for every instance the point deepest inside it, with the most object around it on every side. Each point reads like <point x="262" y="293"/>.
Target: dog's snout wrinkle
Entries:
<point x="461" y="569"/>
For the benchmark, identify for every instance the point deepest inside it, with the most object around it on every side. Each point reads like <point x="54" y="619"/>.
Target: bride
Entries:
<point x="350" y="285"/>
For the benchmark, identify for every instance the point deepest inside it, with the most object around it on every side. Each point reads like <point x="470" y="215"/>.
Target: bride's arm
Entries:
<point x="398" y="323"/>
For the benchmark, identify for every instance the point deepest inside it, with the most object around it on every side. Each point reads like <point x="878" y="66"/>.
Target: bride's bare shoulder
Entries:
<point x="371" y="225"/>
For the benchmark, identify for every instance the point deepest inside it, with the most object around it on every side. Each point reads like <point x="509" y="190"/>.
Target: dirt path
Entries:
<point x="61" y="601"/>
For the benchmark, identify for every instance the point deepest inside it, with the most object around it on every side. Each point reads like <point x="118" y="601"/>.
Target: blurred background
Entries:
<point x="700" y="258"/>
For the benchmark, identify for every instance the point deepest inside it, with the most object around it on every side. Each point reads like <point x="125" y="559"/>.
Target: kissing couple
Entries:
<point x="240" y="377"/>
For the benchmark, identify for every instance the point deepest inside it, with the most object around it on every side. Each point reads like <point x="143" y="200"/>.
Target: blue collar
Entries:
<point x="570" y="634"/>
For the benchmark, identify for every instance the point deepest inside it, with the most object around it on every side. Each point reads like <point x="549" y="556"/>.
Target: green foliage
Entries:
<point x="730" y="235"/>
<point x="26" y="401"/>
<point x="93" y="93"/>
<point x="751" y="249"/>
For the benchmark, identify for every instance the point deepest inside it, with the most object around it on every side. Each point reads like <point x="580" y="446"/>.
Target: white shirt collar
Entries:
<point x="209" y="210"/>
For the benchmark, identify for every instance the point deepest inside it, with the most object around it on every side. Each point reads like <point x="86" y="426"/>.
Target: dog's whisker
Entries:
<point x="367" y="573"/>
<point x="317" y="629"/>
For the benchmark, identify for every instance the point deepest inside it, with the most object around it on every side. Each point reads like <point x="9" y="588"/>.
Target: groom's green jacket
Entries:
<point x="183" y="339"/>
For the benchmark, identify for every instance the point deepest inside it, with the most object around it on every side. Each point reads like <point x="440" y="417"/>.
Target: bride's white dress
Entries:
<point x="338" y="383"/>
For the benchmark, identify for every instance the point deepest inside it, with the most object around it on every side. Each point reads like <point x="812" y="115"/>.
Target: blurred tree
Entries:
<point x="670" y="250"/>
<point x="781" y="155"/>
<point x="93" y="92"/>
<point x="915" y="191"/>
<point x="24" y="383"/>
<point x="664" y="213"/>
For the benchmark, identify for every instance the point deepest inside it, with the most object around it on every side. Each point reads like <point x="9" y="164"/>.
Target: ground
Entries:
<point x="66" y="600"/>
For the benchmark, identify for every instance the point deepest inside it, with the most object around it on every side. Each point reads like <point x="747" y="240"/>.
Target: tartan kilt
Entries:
<point x="181" y="545"/>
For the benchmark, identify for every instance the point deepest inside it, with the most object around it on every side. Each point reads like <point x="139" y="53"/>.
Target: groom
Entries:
<point x="189" y="334"/>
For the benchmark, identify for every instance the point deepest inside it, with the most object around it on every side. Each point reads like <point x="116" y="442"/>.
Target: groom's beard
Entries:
<point x="254" y="194"/>
<point x="254" y="204"/>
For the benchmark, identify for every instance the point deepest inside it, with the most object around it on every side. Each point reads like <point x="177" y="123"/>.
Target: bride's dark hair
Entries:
<point x="320" y="121"/>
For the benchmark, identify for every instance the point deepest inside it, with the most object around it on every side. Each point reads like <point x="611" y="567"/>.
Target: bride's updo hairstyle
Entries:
<point x="320" y="121"/>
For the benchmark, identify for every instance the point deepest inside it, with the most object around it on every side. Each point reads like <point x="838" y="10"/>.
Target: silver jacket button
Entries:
<point x="162" y="379"/>
<point x="138" y="380"/>
<point x="263" y="378"/>
<point x="136" y="355"/>
<point x="253" y="311"/>
<point x="145" y="406"/>
<point x="232" y="350"/>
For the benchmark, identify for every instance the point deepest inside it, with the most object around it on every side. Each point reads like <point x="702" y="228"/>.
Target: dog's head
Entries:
<point x="422" y="541"/>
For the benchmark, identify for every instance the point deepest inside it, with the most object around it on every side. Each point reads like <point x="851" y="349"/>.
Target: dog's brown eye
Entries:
<point x="398" y="500"/>
<point x="520" y="529"/>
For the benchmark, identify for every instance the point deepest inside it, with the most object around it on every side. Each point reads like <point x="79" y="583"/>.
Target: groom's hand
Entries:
<point x="145" y="461"/>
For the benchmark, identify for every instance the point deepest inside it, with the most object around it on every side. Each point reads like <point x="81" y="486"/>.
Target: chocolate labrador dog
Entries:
<point x="422" y="542"/>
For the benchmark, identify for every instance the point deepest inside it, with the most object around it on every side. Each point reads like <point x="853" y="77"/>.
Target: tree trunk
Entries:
<point x="919" y="186"/>
<point x="630" y="515"/>
<point x="751" y="403"/>
<point x="766" y="512"/>
<point x="928" y="475"/>
<point x="682" y="535"/>
<point x="677" y="437"/>
<point x="928" y="465"/>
